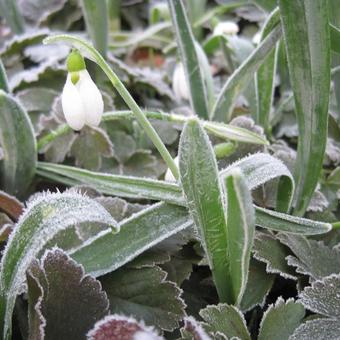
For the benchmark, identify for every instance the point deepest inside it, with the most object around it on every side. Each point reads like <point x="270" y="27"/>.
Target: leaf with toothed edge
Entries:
<point x="44" y="217"/>
<point x="64" y="303"/>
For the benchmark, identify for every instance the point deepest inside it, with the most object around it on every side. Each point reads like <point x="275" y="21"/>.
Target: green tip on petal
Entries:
<point x="75" y="62"/>
<point x="74" y="77"/>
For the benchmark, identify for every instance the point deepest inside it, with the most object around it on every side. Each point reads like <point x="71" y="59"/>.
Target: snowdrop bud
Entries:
<point x="226" y="28"/>
<point x="169" y="177"/>
<point x="81" y="99"/>
<point x="179" y="83"/>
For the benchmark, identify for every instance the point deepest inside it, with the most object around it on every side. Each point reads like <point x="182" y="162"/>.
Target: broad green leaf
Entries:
<point x="205" y="202"/>
<point x="44" y="218"/>
<point x="268" y="249"/>
<point x="3" y="78"/>
<point x="9" y="10"/>
<point x="240" y="233"/>
<point x="258" y="286"/>
<point x="323" y="296"/>
<point x="306" y="34"/>
<point x="135" y="187"/>
<point x="335" y="38"/>
<point x="189" y="58"/>
<point x="19" y="146"/>
<point x="96" y="19"/>
<point x="281" y="319"/>
<point x="153" y="300"/>
<point x="311" y="258"/>
<point x="265" y="78"/>
<point x="68" y="302"/>
<point x="224" y="105"/>
<point x="261" y="168"/>
<point x="226" y="320"/>
<point x="318" y="329"/>
<point x="106" y="252"/>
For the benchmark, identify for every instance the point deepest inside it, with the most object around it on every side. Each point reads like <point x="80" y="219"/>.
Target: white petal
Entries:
<point x="91" y="98"/>
<point x="72" y="106"/>
<point x="169" y="177"/>
<point x="226" y="28"/>
<point x="179" y="83"/>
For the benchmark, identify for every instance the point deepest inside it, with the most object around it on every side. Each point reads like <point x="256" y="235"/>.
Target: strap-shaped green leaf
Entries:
<point x="224" y="105"/>
<point x="96" y="19"/>
<point x="240" y="234"/>
<point x="265" y="76"/>
<point x="3" y="78"/>
<point x="307" y="39"/>
<point x="44" y="218"/>
<point x="189" y="58"/>
<point x="204" y="197"/>
<point x="19" y="146"/>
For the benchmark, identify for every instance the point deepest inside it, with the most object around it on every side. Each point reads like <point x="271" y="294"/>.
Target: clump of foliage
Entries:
<point x="206" y="203"/>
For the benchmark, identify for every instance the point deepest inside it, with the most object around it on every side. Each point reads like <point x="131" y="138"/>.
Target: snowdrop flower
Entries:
<point x="226" y="28"/>
<point x="169" y="177"/>
<point x="179" y="83"/>
<point x="81" y="99"/>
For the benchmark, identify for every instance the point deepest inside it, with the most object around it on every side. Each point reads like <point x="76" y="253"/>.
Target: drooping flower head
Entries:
<point x="81" y="99"/>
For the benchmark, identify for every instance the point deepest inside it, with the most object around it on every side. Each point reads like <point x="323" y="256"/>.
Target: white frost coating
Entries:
<point x="82" y="102"/>
<point x="143" y="332"/>
<point x="198" y="332"/>
<point x="226" y="28"/>
<point x="179" y="83"/>
<point x="44" y="217"/>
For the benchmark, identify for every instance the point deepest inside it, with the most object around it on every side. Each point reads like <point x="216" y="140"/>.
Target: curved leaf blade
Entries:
<point x="45" y="217"/>
<point x="18" y="144"/>
<point x="3" y="78"/>
<point x="306" y="34"/>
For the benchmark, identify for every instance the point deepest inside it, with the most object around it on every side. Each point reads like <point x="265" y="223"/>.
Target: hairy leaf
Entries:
<point x="69" y="302"/>
<point x="318" y="329"/>
<point x="45" y="217"/>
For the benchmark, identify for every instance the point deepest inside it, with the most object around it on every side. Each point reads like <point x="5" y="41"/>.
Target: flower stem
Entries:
<point x="94" y="55"/>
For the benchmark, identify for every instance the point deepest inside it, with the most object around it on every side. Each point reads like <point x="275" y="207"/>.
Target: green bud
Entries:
<point x="224" y="149"/>
<point x="75" y="62"/>
<point x="74" y="77"/>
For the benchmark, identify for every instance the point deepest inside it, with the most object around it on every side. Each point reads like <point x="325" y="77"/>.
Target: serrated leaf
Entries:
<point x="106" y="252"/>
<point x="154" y="300"/>
<point x="190" y="59"/>
<point x="311" y="258"/>
<point x="19" y="146"/>
<point x="205" y="202"/>
<point x="69" y="302"/>
<point x="90" y="145"/>
<point x="225" y="319"/>
<point x="318" y="329"/>
<point x="258" y="286"/>
<point x="281" y="319"/>
<point x="323" y="296"/>
<point x="96" y="19"/>
<point x="306" y="33"/>
<point x="269" y="250"/>
<point x="224" y="105"/>
<point x="121" y="327"/>
<point x="45" y="217"/>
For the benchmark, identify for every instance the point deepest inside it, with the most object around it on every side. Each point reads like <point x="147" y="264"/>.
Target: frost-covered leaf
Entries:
<point x="192" y="330"/>
<point x="269" y="250"/>
<point x="18" y="145"/>
<point x="258" y="286"/>
<point x="225" y="319"/>
<point x="281" y="319"/>
<point x="90" y="146"/>
<point x="318" y="329"/>
<point x="44" y="217"/>
<point x="318" y="202"/>
<point x="10" y="205"/>
<point x="311" y="258"/>
<point x="124" y="145"/>
<point x="323" y="296"/>
<point x="69" y="302"/>
<point x="116" y="326"/>
<point x="153" y="299"/>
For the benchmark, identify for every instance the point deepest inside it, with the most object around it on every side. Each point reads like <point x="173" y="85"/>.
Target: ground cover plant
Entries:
<point x="169" y="169"/>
